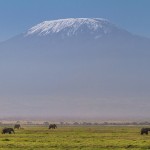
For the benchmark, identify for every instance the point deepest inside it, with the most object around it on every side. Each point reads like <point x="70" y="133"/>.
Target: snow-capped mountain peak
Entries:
<point x="72" y="26"/>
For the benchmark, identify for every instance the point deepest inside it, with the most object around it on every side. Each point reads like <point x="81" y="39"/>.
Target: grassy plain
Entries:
<point x="76" y="138"/>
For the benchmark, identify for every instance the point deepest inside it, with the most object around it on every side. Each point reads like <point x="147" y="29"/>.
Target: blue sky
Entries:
<point x="17" y="16"/>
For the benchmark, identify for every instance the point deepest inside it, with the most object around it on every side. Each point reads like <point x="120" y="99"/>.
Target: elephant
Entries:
<point x="145" y="131"/>
<point x="52" y="126"/>
<point x="8" y="130"/>
<point x="17" y="126"/>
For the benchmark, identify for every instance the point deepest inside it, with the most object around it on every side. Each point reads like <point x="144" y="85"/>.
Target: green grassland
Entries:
<point x="76" y="138"/>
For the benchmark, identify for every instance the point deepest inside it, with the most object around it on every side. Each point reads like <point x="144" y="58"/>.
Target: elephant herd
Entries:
<point x="54" y="126"/>
<point x="18" y="126"/>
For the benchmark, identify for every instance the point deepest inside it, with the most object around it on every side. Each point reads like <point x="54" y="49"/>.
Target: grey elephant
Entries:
<point x="52" y="126"/>
<point x="8" y="130"/>
<point x="145" y="131"/>
<point x="17" y="126"/>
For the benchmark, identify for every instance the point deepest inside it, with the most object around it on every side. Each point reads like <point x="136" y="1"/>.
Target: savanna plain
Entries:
<point x="76" y="138"/>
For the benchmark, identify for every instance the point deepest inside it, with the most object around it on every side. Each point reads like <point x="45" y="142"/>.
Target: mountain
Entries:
<point x="76" y="67"/>
<point x="78" y="33"/>
<point x="79" y="27"/>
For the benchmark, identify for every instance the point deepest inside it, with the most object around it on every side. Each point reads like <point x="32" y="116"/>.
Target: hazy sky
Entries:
<point x="17" y="16"/>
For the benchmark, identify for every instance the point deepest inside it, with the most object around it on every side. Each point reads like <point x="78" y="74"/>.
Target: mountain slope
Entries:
<point x="76" y="67"/>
